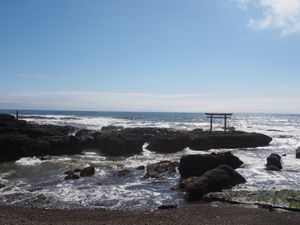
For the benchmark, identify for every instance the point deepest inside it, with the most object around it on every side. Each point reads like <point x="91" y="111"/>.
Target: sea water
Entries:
<point x="35" y="183"/>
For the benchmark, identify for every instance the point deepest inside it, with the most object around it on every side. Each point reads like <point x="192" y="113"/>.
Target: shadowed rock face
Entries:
<point x="274" y="162"/>
<point x="237" y="139"/>
<point x="298" y="153"/>
<point x="20" y="139"/>
<point x="197" y="165"/>
<point x="222" y="177"/>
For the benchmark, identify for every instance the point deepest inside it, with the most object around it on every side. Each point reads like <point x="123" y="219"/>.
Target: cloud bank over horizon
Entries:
<point x="113" y="101"/>
<point x="280" y="14"/>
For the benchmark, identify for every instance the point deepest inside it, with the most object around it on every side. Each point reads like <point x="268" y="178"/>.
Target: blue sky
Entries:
<point x="158" y="55"/>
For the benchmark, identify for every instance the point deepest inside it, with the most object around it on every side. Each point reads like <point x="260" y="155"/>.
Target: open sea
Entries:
<point x="35" y="183"/>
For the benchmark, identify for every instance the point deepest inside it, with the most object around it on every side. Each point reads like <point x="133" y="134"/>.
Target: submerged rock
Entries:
<point x="160" y="169"/>
<point x="196" y="165"/>
<point x="71" y="175"/>
<point x="274" y="162"/>
<point x="140" y="168"/>
<point x="123" y="173"/>
<point x="298" y="153"/>
<point x="222" y="177"/>
<point x="87" y="172"/>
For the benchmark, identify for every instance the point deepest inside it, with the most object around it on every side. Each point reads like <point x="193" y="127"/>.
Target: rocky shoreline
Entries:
<point x="200" y="174"/>
<point x="19" y="138"/>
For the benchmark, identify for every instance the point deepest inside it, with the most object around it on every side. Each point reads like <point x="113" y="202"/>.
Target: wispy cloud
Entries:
<point x="280" y="14"/>
<point x="144" y="102"/>
<point x="40" y="76"/>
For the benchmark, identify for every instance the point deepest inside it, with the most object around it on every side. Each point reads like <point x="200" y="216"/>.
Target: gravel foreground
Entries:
<point x="200" y="214"/>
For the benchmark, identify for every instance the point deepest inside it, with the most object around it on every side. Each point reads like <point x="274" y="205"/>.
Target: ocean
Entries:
<point x="35" y="183"/>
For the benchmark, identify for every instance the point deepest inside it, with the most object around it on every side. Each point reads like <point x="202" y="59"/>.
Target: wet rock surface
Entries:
<point x="87" y="171"/>
<point x="123" y="173"/>
<point x="298" y="153"/>
<point x="274" y="162"/>
<point x="222" y="177"/>
<point x="21" y="139"/>
<point x="71" y="175"/>
<point x="196" y="165"/>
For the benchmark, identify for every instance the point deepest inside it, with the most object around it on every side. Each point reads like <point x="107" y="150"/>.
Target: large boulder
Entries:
<point x="298" y="153"/>
<point x="196" y="165"/>
<point x="222" y="177"/>
<point x="21" y="139"/>
<point x="117" y="145"/>
<point x="13" y="146"/>
<point x="274" y="162"/>
<point x="87" y="171"/>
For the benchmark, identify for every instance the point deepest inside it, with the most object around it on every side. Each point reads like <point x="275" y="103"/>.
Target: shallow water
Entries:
<point x="32" y="182"/>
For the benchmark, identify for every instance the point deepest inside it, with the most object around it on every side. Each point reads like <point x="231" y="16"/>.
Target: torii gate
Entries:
<point x="224" y="116"/>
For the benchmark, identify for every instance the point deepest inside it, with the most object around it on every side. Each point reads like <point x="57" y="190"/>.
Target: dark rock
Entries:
<point x="112" y="128"/>
<point x="169" y="144"/>
<point x="298" y="153"/>
<point x="116" y="145"/>
<point x="44" y="158"/>
<point x="13" y="146"/>
<point x="123" y="173"/>
<point x="197" y="131"/>
<point x="141" y="168"/>
<point x="222" y="177"/>
<point x="196" y="165"/>
<point x="166" y="207"/>
<point x="6" y="117"/>
<point x="236" y="139"/>
<point x="274" y="162"/>
<point x="87" y="141"/>
<point x="2" y="186"/>
<point x="177" y="187"/>
<point x="87" y="172"/>
<point x="84" y="132"/>
<point x="21" y="139"/>
<point x="64" y="145"/>
<point x="77" y="170"/>
<point x="160" y="169"/>
<point x="71" y="176"/>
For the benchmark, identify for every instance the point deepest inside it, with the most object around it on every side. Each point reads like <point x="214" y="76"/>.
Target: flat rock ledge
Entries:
<point x="131" y="140"/>
<point x="19" y="138"/>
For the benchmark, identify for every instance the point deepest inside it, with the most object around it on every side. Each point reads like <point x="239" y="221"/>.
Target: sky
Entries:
<point x="150" y="55"/>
